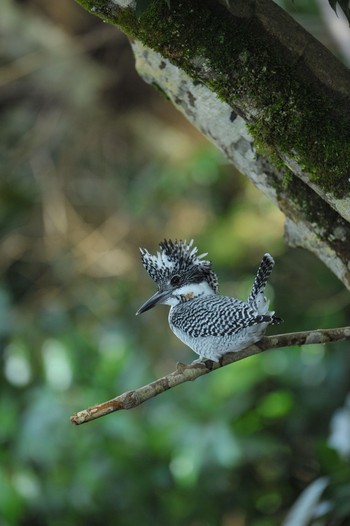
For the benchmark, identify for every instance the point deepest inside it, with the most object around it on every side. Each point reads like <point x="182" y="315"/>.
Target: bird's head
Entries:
<point x="179" y="273"/>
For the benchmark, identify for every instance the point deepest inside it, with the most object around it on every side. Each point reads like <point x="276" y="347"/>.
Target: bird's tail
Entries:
<point x="257" y="297"/>
<point x="264" y="271"/>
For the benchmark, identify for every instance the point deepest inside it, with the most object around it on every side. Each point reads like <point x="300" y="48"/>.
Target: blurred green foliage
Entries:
<point x="93" y="165"/>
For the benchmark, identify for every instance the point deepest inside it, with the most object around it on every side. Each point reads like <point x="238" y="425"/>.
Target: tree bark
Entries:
<point x="269" y="95"/>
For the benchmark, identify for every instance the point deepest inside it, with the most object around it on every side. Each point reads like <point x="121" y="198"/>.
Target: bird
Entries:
<point x="210" y="324"/>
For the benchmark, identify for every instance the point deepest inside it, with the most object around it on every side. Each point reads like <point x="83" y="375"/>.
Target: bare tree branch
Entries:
<point x="190" y="372"/>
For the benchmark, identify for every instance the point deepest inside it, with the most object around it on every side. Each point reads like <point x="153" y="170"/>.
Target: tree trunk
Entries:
<point x="269" y="95"/>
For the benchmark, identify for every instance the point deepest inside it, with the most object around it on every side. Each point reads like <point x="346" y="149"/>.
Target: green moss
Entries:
<point x="314" y="210"/>
<point x="213" y="48"/>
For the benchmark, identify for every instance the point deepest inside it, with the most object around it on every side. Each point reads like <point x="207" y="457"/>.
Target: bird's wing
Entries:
<point x="215" y="316"/>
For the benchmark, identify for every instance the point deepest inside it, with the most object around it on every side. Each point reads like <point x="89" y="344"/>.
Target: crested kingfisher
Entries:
<point x="210" y="324"/>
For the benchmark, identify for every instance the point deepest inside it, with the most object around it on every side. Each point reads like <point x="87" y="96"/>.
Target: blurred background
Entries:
<point x="94" y="164"/>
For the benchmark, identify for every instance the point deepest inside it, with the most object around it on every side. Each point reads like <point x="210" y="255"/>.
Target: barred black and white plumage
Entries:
<point x="210" y="324"/>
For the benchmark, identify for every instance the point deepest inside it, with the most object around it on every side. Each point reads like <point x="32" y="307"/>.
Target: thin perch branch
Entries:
<point x="185" y="373"/>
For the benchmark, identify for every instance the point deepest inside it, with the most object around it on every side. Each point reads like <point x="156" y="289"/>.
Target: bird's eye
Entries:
<point x="175" y="280"/>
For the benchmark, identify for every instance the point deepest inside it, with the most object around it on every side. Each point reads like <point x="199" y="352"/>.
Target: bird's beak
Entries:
<point x="158" y="297"/>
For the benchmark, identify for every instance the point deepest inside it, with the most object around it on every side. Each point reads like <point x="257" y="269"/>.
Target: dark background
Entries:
<point x="93" y="164"/>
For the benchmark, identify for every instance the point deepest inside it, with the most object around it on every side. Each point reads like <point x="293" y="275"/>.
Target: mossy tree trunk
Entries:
<point x="269" y="95"/>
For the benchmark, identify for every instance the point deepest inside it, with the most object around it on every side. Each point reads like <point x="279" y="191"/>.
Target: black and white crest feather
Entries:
<point x="178" y="257"/>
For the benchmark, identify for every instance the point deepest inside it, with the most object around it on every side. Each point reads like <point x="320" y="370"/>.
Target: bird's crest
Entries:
<point x="178" y="257"/>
